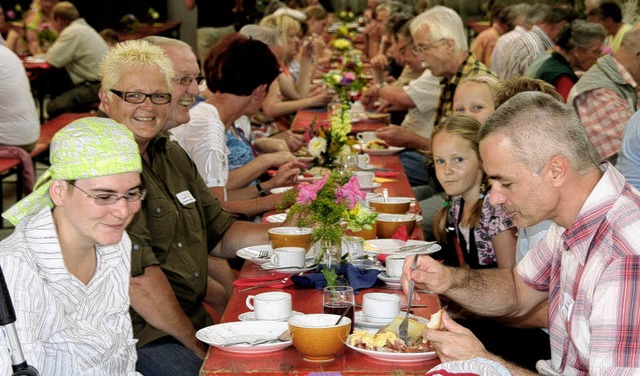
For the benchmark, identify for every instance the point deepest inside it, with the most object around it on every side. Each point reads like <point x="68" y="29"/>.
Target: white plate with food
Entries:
<point x="276" y="218"/>
<point x="277" y="190"/>
<point x="221" y="334"/>
<point x="251" y="316"/>
<point x="251" y="253"/>
<point x="396" y="357"/>
<point x="378" y="115"/>
<point x="389" y="150"/>
<point x="391" y="246"/>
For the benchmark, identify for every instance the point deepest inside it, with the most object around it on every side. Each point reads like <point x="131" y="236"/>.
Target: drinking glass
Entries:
<point x="337" y="299"/>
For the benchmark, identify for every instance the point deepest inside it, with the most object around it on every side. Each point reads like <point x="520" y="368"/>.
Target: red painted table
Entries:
<point x="38" y="71"/>
<point x="305" y="116"/>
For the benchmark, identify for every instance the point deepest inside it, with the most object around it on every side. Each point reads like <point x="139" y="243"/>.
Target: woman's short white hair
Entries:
<point x="443" y="23"/>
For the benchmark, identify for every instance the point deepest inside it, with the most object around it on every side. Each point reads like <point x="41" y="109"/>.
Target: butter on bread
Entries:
<point x="414" y="330"/>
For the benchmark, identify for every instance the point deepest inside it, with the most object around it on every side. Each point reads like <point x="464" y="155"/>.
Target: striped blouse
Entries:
<point x="64" y="326"/>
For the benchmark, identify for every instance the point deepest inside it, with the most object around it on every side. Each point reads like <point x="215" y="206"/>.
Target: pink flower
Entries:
<point x="349" y="75"/>
<point x="307" y="193"/>
<point x="350" y="192"/>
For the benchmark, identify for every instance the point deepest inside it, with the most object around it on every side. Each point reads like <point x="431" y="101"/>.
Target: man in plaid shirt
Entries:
<point x="543" y="166"/>
<point x="606" y="96"/>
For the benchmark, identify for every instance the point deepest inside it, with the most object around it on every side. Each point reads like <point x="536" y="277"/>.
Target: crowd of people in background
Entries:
<point x="521" y="143"/>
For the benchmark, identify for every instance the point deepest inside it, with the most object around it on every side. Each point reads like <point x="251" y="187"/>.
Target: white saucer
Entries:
<point x="370" y="187"/>
<point x="362" y="321"/>
<point x="251" y="316"/>
<point x="391" y="282"/>
<point x="384" y="277"/>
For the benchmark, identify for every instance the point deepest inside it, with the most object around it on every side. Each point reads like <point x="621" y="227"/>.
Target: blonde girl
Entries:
<point x="481" y="235"/>
<point x="475" y="97"/>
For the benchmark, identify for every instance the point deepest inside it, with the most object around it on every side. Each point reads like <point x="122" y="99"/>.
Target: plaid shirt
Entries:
<point x="604" y="115"/>
<point x="592" y="274"/>
<point x="470" y="67"/>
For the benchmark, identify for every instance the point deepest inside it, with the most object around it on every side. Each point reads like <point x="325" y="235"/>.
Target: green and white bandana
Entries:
<point x="86" y="148"/>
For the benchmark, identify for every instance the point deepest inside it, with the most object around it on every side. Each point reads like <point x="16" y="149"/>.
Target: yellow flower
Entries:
<point x="341" y="44"/>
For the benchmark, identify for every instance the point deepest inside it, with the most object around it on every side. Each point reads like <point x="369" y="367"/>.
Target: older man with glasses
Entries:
<point x="440" y="42"/>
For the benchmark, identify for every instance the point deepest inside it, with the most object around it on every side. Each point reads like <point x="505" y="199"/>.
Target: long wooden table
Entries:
<point x="348" y="362"/>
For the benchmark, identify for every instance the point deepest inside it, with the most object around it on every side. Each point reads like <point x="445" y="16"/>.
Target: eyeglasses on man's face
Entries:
<point x="137" y="97"/>
<point x="187" y="80"/>
<point x="103" y="199"/>
<point x="422" y="48"/>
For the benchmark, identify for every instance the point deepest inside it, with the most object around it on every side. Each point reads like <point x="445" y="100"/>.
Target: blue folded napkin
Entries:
<point x="358" y="278"/>
<point x="309" y="280"/>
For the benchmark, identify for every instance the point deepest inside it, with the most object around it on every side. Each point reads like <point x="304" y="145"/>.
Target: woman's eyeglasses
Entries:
<point x="137" y="97"/>
<point x="103" y="199"/>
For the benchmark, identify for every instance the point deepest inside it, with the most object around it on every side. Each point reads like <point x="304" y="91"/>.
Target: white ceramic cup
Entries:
<point x="274" y="305"/>
<point x="363" y="160"/>
<point x="288" y="256"/>
<point x="365" y="178"/>
<point x="365" y="137"/>
<point x="394" y="265"/>
<point x="380" y="307"/>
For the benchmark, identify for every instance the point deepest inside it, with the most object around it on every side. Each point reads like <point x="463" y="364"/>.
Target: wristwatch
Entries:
<point x="260" y="190"/>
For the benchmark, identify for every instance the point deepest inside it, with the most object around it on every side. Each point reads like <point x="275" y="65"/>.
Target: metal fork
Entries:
<point x="415" y="247"/>
<point x="257" y="341"/>
<point x="404" y="325"/>
<point x="263" y="253"/>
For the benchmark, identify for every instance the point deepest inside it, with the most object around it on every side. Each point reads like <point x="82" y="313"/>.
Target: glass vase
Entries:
<point x="328" y="253"/>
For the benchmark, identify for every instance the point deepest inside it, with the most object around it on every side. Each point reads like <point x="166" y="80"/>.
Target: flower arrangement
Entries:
<point x="342" y="45"/>
<point x="328" y="145"/>
<point x="46" y="35"/>
<point x="15" y="14"/>
<point x="343" y="32"/>
<point x="346" y="16"/>
<point x="129" y="21"/>
<point x="348" y="78"/>
<point x="152" y="15"/>
<point x="329" y="206"/>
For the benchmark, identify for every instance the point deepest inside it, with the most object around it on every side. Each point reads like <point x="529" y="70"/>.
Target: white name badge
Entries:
<point x="185" y="198"/>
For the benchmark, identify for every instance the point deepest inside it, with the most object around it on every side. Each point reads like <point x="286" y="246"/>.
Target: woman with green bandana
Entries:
<point x="67" y="263"/>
